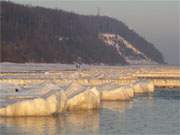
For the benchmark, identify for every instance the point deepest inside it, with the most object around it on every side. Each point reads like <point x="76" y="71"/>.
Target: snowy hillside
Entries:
<point x="125" y="49"/>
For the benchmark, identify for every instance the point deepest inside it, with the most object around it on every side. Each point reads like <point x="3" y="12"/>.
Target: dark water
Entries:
<point x="155" y="114"/>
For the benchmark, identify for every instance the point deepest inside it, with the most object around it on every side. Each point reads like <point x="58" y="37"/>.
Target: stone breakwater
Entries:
<point x="54" y="92"/>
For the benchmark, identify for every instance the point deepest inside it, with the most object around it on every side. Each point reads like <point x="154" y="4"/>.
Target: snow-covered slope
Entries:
<point x="125" y="49"/>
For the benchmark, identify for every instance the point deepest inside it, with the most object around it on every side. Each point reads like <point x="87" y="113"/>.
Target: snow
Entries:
<point x="63" y="38"/>
<point x="119" y="43"/>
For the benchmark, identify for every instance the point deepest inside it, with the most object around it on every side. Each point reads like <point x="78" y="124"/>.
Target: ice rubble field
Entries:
<point x="50" y="89"/>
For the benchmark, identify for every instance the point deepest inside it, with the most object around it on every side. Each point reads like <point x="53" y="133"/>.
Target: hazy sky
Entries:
<point x="156" y="20"/>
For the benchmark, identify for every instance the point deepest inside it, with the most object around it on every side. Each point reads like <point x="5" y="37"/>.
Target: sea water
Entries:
<point x="154" y="114"/>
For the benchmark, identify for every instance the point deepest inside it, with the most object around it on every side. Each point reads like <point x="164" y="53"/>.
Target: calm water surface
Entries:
<point x="155" y="114"/>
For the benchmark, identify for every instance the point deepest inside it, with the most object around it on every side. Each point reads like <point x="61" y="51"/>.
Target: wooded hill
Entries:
<point x="37" y="34"/>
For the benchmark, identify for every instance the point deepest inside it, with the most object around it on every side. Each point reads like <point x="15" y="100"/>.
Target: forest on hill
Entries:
<point x="37" y="34"/>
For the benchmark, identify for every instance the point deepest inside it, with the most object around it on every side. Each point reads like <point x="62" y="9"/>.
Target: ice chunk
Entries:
<point x="113" y="91"/>
<point x="82" y="97"/>
<point x="47" y="100"/>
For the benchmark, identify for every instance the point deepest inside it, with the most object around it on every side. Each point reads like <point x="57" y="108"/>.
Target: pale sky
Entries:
<point x="156" y="20"/>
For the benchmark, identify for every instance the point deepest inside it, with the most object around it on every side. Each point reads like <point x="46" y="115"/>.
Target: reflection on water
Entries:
<point x="29" y="125"/>
<point x="116" y="105"/>
<point x="148" y="114"/>
<point x="70" y="123"/>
